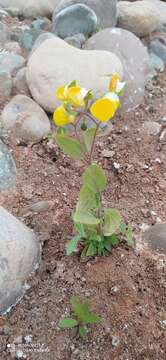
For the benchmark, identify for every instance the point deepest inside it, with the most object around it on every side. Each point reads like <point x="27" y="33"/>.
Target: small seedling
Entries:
<point x="82" y="317"/>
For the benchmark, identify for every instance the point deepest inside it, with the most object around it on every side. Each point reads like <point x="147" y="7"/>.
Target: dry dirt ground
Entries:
<point x="127" y="289"/>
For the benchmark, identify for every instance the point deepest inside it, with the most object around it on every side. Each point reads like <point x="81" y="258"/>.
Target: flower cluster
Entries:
<point x="74" y="98"/>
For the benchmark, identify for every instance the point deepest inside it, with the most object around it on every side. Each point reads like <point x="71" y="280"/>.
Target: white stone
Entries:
<point x="19" y="256"/>
<point x="61" y="64"/>
<point x="139" y="17"/>
<point x="31" y="8"/>
<point x="25" y="119"/>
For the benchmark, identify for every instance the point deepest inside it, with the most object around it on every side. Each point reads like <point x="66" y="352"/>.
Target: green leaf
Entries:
<point x="71" y="246"/>
<point x="80" y="228"/>
<point x="82" y="331"/>
<point x="94" y="178"/>
<point x="73" y="83"/>
<point x="79" y="308"/>
<point x="61" y="130"/>
<point x="123" y="228"/>
<point x="70" y="146"/>
<point x="129" y="236"/>
<point x="86" y="218"/>
<point x="88" y="137"/>
<point x="112" y="221"/>
<point x="92" y="319"/>
<point x="68" y="323"/>
<point x="114" y="240"/>
<point x="87" y="200"/>
<point x="91" y="250"/>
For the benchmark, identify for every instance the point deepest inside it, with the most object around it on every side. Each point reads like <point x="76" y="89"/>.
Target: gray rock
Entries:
<point x="104" y="9"/>
<point x="20" y="82"/>
<point x="155" y="237"/>
<point x="41" y="24"/>
<point x="7" y="168"/>
<point x="6" y="84"/>
<point x="3" y="14"/>
<point x="74" y="19"/>
<point x="20" y="254"/>
<point x="151" y="128"/>
<point x="4" y="33"/>
<point x="31" y="8"/>
<point x="29" y="38"/>
<point x="76" y="40"/>
<point x="43" y="37"/>
<point x="134" y="57"/>
<point x="26" y="119"/>
<point x="163" y="136"/>
<point x="158" y="46"/>
<point x="10" y="62"/>
<point x="156" y="62"/>
<point x="140" y="17"/>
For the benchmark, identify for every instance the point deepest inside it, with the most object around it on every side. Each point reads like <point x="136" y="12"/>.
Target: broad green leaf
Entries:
<point x="68" y="323"/>
<point x="71" y="246"/>
<point x="86" y="218"/>
<point x="88" y="137"/>
<point x="129" y="236"/>
<point x="112" y="221"/>
<point x="91" y="251"/>
<point x="87" y="200"/>
<point x="80" y="228"/>
<point x="70" y="146"/>
<point x="92" y="319"/>
<point x="94" y="178"/>
<point x="82" y="331"/>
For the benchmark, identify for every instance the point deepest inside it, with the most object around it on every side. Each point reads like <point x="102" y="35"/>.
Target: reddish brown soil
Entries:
<point x="127" y="289"/>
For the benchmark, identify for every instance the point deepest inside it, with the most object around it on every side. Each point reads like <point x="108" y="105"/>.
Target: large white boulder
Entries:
<point x="19" y="256"/>
<point x="55" y="63"/>
<point x="139" y="17"/>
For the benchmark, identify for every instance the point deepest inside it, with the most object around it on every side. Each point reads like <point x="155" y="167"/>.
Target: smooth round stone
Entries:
<point x="134" y="57"/>
<point x="7" y="168"/>
<point x="106" y="10"/>
<point x="6" y="84"/>
<point x="61" y="64"/>
<point x="156" y="62"/>
<point x="19" y="256"/>
<point x="140" y="17"/>
<point x="26" y="119"/>
<point x="30" y="8"/>
<point x="158" y="47"/>
<point x="41" y="24"/>
<point x="20" y="82"/>
<point x="155" y="237"/>
<point x="4" y="33"/>
<point x="11" y="62"/>
<point x="78" y="18"/>
<point x="29" y="38"/>
<point x="41" y="38"/>
<point x="13" y="46"/>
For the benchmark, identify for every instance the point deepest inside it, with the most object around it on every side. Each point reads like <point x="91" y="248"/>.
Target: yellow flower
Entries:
<point x="61" y="93"/>
<point x="115" y="84"/>
<point x="104" y="109"/>
<point x="61" y="117"/>
<point x="73" y="94"/>
<point x="76" y="95"/>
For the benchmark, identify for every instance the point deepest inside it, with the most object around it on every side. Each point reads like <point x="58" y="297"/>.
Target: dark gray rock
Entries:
<point x="74" y="19"/>
<point x="158" y="47"/>
<point x="105" y="10"/>
<point x="156" y="62"/>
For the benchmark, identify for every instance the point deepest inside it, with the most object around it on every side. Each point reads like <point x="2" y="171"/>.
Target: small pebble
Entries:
<point x="115" y="341"/>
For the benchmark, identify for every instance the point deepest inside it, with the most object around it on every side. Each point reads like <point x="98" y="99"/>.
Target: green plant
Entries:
<point x="98" y="228"/>
<point x="82" y="317"/>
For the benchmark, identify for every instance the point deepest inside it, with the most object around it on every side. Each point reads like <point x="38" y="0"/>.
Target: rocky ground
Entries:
<point x="39" y="185"/>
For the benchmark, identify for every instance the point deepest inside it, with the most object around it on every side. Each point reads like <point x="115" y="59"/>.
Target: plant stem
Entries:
<point x="93" y="144"/>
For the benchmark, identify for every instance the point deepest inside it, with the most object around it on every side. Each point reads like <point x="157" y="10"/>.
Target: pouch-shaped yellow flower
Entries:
<point x="76" y="95"/>
<point x="61" y="93"/>
<point x="103" y="109"/>
<point x="61" y="117"/>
